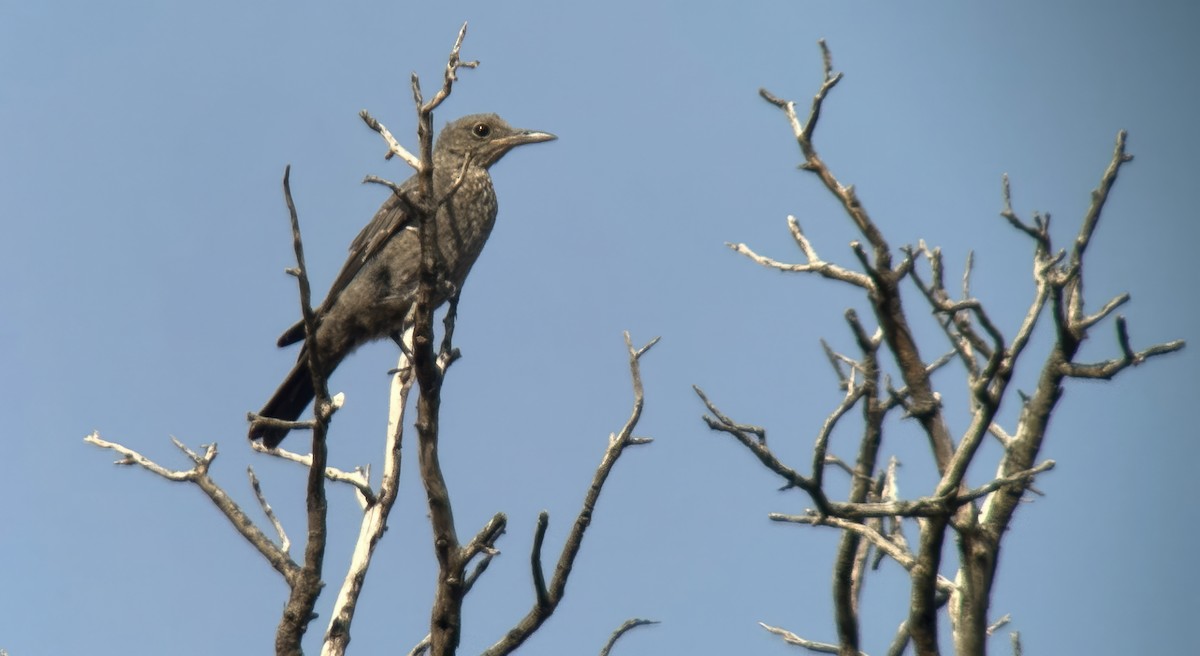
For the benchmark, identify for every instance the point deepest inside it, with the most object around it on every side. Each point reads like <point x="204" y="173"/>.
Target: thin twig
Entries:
<point x="625" y="627"/>
<point x="285" y="544"/>
<point x="549" y="595"/>
<point x="198" y="475"/>
<point x="811" y="645"/>
<point x="306" y="587"/>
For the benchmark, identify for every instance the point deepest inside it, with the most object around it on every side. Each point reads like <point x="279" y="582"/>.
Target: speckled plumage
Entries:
<point x="372" y="295"/>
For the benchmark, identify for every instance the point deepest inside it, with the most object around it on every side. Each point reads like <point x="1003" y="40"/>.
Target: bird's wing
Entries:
<point x="393" y="216"/>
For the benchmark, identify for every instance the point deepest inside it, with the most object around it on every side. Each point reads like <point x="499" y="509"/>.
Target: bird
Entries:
<point x="371" y="297"/>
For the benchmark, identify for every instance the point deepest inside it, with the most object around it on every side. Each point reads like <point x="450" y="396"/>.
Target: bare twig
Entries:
<point x="998" y="624"/>
<point x="541" y="595"/>
<point x="198" y="475"/>
<point x="485" y="540"/>
<point x="723" y="423"/>
<point x="1039" y="233"/>
<point x="450" y="76"/>
<point x="425" y="110"/>
<point x="835" y="361"/>
<point x="759" y="448"/>
<point x="357" y="479"/>
<point x="811" y="645"/>
<point x="1099" y="315"/>
<point x="307" y="585"/>
<point x="376" y="509"/>
<point x="1109" y="368"/>
<point x="822" y="442"/>
<point x="396" y="188"/>
<point x="549" y="595"/>
<point x="483" y="543"/>
<point x="1018" y="480"/>
<point x="815" y="263"/>
<point x="394" y="147"/>
<point x="805" y="131"/>
<point x="284" y="543"/>
<point x="1099" y="197"/>
<point x="625" y="627"/>
<point x="896" y="550"/>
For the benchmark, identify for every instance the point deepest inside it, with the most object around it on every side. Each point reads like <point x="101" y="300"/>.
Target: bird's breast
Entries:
<point x="464" y="224"/>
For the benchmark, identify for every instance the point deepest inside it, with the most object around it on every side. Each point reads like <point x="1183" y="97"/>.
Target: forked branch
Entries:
<point x="548" y="595"/>
<point x="980" y="516"/>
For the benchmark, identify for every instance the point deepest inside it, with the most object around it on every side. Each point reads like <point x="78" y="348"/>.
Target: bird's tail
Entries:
<point x="294" y="333"/>
<point x="288" y="403"/>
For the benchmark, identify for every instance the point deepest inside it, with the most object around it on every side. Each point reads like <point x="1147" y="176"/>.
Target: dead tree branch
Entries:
<point x="811" y="645"/>
<point x="198" y="475"/>
<point x="978" y="516"/>
<point x="547" y="597"/>
<point x="303" y="579"/>
<point x="625" y="627"/>
<point x="376" y="509"/>
<point x="429" y="371"/>
<point x="307" y="587"/>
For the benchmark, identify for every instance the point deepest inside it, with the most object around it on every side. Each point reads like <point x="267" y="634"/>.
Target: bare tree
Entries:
<point x="459" y="564"/>
<point x="872" y="517"/>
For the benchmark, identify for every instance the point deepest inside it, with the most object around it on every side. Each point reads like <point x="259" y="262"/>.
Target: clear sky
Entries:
<point x="141" y="291"/>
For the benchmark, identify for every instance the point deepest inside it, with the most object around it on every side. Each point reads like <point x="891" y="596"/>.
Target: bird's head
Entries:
<point x="486" y="137"/>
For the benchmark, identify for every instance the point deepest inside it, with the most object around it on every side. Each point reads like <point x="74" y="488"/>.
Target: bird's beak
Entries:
<point x="527" y="137"/>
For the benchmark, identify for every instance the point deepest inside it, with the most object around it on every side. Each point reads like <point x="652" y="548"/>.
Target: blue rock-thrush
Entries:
<point x="372" y="295"/>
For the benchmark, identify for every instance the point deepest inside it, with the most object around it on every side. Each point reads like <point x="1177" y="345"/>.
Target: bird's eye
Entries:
<point x="482" y="129"/>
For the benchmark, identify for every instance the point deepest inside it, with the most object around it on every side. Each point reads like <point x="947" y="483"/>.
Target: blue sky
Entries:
<point x="141" y="149"/>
